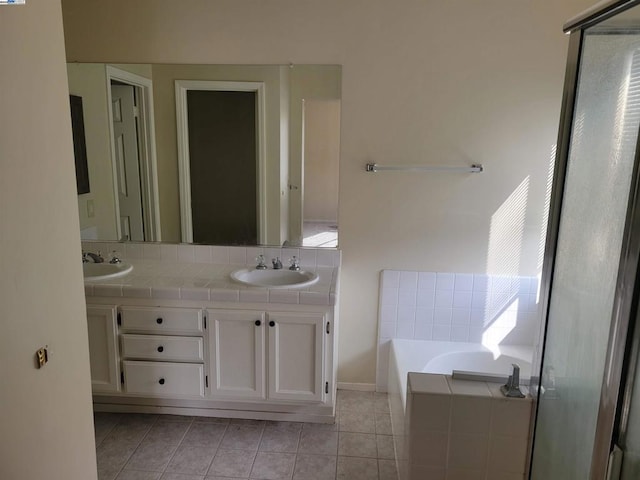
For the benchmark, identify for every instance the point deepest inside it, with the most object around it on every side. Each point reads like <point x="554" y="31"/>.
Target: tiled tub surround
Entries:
<point x="456" y="429"/>
<point x="178" y="336"/>
<point x="199" y="272"/>
<point x="454" y="307"/>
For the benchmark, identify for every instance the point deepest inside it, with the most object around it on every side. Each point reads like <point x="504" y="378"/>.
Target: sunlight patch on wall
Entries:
<point x="506" y="236"/>
<point x="506" y="233"/>
<point x="502" y="323"/>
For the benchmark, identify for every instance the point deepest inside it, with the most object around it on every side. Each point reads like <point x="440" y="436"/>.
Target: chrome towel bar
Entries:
<point x="373" y="167"/>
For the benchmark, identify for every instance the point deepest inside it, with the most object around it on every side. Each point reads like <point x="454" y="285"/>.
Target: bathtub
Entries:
<point x="470" y="359"/>
<point x="447" y="357"/>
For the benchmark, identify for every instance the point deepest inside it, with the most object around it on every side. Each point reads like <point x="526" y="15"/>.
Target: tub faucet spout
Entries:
<point x="512" y="387"/>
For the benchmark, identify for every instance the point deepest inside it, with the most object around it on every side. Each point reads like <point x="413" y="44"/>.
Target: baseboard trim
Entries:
<point x="212" y="412"/>
<point x="360" y="387"/>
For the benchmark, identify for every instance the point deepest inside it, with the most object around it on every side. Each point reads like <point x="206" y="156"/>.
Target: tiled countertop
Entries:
<point x="209" y="282"/>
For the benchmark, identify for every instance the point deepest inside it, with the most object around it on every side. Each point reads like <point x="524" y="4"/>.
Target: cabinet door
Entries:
<point x="237" y="353"/>
<point x="103" y="356"/>
<point x="296" y="353"/>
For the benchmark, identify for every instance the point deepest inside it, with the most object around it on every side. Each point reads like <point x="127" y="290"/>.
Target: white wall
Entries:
<point x="441" y="82"/>
<point x="45" y="415"/>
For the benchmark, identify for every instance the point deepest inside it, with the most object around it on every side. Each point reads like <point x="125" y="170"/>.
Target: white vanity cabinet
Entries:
<point x="268" y="355"/>
<point x="162" y="351"/>
<point x="103" y="354"/>
<point x="229" y="359"/>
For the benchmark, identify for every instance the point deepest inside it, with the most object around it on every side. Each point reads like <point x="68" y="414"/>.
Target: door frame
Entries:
<point x="553" y="224"/>
<point x="184" y="170"/>
<point x="146" y="149"/>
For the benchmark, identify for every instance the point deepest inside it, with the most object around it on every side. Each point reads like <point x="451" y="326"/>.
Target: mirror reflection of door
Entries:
<point x="126" y="142"/>
<point x="321" y="153"/>
<point x="222" y="136"/>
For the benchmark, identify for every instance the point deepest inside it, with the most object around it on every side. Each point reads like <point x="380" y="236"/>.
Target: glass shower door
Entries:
<point x="599" y="170"/>
<point x="630" y="428"/>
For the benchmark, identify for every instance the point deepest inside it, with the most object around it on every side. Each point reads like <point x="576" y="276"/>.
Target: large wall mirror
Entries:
<point x="210" y="154"/>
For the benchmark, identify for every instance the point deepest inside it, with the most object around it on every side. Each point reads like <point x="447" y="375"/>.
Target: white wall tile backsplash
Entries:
<point x="169" y="253"/>
<point x="182" y="253"/>
<point x="458" y="307"/>
<point x="219" y="255"/>
<point x="238" y="256"/>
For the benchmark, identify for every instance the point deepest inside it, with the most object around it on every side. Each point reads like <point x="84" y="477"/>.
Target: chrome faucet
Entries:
<point x="277" y="264"/>
<point x="512" y="387"/>
<point x="261" y="265"/>
<point x="114" y="257"/>
<point x="294" y="263"/>
<point x="95" y="257"/>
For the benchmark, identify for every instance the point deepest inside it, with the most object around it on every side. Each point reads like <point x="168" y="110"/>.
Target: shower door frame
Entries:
<point x="623" y="343"/>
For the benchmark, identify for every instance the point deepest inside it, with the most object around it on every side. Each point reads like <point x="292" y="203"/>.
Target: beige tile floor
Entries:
<point x="168" y="447"/>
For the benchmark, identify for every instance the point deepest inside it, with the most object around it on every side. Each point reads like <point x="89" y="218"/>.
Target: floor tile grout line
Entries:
<point x="177" y="446"/>
<point x="135" y="449"/>
<point x="141" y="442"/>
<point x="226" y="427"/>
<point x="257" y="450"/>
<point x="105" y="435"/>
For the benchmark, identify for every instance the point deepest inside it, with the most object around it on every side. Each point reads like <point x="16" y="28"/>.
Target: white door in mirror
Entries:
<point x="275" y="278"/>
<point x="105" y="271"/>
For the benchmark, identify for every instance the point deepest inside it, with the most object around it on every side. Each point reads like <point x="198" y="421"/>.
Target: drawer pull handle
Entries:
<point x="161" y="381"/>
<point x="159" y="321"/>
<point x="272" y="323"/>
<point x="161" y="349"/>
<point x="258" y="323"/>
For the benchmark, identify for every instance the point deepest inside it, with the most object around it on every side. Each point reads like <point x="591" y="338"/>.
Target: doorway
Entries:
<point x="320" y="166"/>
<point x="133" y="156"/>
<point x="221" y="161"/>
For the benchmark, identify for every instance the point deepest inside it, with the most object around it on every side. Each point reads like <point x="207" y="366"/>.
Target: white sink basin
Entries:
<point x="275" y="278"/>
<point x="105" y="271"/>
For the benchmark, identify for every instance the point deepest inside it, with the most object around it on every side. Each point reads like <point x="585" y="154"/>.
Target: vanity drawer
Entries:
<point x="163" y="378"/>
<point x="160" y="347"/>
<point x="173" y="321"/>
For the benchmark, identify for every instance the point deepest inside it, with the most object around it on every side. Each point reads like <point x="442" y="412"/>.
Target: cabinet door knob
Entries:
<point x="161" y="349"/>
<point x="161" y="381"/>
<point x="258" y="323"/>
<point x="272" y="323"/>
<point x="159" y="321"/>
